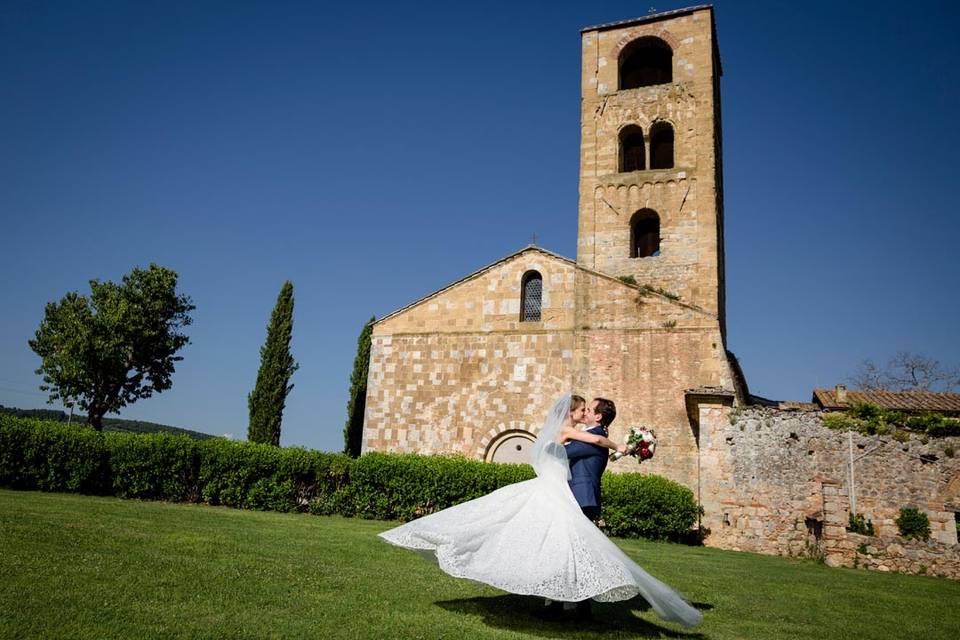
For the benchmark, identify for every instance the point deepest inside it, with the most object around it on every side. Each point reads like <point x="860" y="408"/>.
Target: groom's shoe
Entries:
<point x="551" y="612"/>
<point x="584" y="612"/>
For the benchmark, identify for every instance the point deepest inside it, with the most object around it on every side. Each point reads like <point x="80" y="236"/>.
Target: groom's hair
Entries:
<point x="607" y="411"/>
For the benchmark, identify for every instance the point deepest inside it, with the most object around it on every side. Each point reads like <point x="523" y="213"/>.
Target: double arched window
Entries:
<point x="645" y="62"/>
<point x="633" y="154"/>
<point x="645" y="234"/>
<point x="661" y="146"/>
<point x="531" y="296"/>
<point x="633" y="147"/>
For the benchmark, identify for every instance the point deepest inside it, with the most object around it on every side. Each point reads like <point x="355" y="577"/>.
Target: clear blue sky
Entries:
<point x="373" y="153"/>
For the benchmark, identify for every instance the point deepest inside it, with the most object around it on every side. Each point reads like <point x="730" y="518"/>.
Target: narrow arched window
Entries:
<point x="661" y="146"/>
<point x="632" y="155"/>
<point x="646" y="62"/>
<point x="645" y="234"/>
<point x="531" y="295"/>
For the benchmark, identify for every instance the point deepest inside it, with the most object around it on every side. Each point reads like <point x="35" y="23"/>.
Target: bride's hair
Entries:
<point x="576" y="402"/>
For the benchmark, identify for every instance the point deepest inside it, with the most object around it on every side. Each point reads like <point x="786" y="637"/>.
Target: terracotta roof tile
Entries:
<point x="909" y="401"/>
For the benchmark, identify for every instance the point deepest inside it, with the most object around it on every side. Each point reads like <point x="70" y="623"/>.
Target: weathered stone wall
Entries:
<point x="779" y="482"/>
<point x="903" y="556"/>
<point x="643" y="351"/>
<point x="686" y="196"/>
<point x="454" y="370"/>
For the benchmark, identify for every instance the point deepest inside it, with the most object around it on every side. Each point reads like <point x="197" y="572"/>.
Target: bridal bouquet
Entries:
<point x="641" y="443"/>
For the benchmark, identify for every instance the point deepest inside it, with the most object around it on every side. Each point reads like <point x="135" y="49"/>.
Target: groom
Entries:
<point x="588" y="461"/>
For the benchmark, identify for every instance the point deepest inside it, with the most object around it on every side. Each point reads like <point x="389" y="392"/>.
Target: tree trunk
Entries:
<point x="95" y="418"/>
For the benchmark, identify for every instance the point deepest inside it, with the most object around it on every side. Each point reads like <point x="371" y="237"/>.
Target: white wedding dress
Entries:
<point x="531" y="538"/>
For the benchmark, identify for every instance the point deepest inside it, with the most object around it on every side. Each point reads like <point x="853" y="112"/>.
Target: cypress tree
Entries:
<point x="357" y="403"/>
<point x="269" y="395"/>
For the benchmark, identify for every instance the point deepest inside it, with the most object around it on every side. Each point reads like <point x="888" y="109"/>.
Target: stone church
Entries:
<point x="638" y="317"/>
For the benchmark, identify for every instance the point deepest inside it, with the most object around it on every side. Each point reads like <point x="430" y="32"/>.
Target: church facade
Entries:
<point x="638" y="317"/>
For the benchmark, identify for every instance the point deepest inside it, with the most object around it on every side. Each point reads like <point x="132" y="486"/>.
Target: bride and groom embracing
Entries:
<point x="537" y="537"/>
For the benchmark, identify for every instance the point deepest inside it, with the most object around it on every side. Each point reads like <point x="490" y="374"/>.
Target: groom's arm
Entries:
<point x="601" y="442"/>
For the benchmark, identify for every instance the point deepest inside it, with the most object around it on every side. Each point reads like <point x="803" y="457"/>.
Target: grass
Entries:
<point x="87" y="567"/>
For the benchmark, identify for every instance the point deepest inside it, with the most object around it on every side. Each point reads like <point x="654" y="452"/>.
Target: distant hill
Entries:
<point x="109" y="424"/>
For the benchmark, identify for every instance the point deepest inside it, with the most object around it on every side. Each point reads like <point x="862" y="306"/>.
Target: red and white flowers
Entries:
<point x="641" y="444"/>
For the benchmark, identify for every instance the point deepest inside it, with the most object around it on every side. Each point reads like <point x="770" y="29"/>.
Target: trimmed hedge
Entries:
<point x="406" y="486"/>
<point x="648" y="506"/>
<point x="37" y="454"/>
<point x="51" y="456"/>
<point x="154" y="467"/>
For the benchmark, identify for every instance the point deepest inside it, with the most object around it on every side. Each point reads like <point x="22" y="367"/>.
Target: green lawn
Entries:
<point x="83" y="567"/>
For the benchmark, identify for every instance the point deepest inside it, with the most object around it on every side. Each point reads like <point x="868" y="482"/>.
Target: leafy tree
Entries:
<point x="905" y="371"/>
<point x="109" y="350"/>
<point x="357" y="403"/>
<point x="269" y="395"/>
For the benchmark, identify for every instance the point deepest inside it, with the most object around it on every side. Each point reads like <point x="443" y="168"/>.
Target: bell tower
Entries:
<point x="651" y="188"/>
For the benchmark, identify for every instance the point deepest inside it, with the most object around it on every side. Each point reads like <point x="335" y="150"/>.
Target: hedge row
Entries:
<point x="51" y="456"/>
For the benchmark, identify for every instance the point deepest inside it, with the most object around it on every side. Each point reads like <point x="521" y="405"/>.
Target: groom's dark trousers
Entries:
<point x="587" y="463"/>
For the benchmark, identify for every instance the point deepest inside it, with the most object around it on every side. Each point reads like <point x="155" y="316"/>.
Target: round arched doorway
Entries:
<point x="511" y="446"/>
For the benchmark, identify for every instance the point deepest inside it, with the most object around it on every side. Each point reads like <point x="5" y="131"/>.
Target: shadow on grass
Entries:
<point x="522" y="614"/>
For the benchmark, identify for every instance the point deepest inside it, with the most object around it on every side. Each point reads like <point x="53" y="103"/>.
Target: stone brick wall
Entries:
<point x="779" y="482"/>
<point x="643" y="351"/>
<point x="452" y="371"/>
<point x="902" y="556"/>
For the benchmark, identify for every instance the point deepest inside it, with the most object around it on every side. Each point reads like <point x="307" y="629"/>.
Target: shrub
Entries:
<point x="647" y="506"/>
<point x="944" y="428"/>
<point x="38" y="454"/>
<point x="859" y="525"/>
<point x="873" y="420"/>
<point x="865" y="411"/>
<point x="843" y="422"/>
<point x="153" y="466"/>
<point x="406" y="486"/>
<point x="913" y="523"/>
<point x="261" y="476"/>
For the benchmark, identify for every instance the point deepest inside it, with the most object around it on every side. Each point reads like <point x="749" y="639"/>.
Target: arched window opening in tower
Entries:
<point x="632" y="155"/>
<point x="646" y="62"/>
<point x="531" y="295"/>
<point x="645" y="234"/>
<point x="661" y="146"/>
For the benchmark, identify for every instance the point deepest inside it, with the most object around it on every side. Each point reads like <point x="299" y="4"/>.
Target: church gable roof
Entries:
<point x="531" y="254"/>
<point x="483" y="301"/>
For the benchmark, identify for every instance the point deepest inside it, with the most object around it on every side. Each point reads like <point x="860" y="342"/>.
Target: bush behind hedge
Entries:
<point x="648" y="506"/>
<point x="50" y="456"/>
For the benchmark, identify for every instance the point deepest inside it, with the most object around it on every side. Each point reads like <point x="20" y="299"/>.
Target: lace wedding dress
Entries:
<point x="531" y="538"/>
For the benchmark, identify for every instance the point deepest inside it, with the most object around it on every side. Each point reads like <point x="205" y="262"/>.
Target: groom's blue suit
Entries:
<point x="587" y="463"/>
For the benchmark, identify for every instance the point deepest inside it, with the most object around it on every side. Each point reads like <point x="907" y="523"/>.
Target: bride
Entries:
<point x="531" y="537"/>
